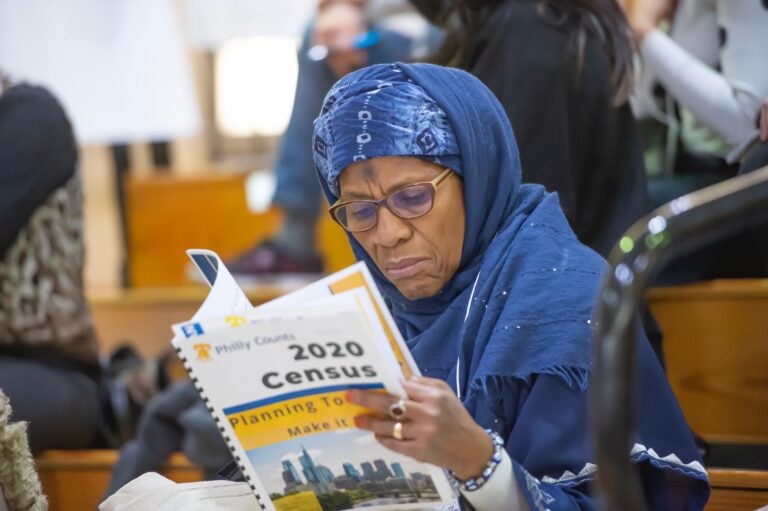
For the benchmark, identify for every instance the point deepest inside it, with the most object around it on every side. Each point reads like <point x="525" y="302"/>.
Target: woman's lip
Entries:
<point x="404" y="267"/>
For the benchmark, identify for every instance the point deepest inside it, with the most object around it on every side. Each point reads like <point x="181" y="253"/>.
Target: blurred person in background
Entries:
<point x="757" y="156"/>
<point x="705" y="79"/>
<point x="344" y="35"/>
<point x="175" y="419"/>
<point x="563" y="72"/>
<point x="122" y="71"/>
<point x="48" y="349"/>
<point x="764" y="121"/>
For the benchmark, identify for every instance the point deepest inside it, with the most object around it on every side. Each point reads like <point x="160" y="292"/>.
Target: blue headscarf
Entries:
<point x="521" y="300"/>
<point x="513" y="324"/>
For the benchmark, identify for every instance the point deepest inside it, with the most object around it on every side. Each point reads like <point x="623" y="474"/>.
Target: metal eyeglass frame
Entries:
<point x="383" y="201"/>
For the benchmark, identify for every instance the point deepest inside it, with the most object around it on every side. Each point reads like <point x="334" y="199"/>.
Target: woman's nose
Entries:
<point x="390" y="228"/>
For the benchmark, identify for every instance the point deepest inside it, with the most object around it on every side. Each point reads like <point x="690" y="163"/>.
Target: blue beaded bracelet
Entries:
<point x="475" y="483"/>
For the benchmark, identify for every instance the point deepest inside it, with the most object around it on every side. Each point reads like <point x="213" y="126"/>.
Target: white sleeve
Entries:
<point x="727" y="101"/>
<point x="500" y="492"/>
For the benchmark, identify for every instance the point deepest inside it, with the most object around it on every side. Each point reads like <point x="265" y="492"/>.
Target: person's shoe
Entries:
<point x="268" y="262"/>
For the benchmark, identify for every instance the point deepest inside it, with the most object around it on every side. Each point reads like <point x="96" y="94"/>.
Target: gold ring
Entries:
<point x="397" y="431"/>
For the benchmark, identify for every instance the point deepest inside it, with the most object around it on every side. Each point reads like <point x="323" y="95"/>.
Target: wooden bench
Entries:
<point x="167" y="214"/>
<point x="716" y="350"/>
<point x="737" y="490"/>
<point x="75" y="480"/>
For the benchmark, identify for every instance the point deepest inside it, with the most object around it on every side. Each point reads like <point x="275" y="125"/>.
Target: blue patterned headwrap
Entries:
<point x="521" y="299"/>
<point x="389" y="116"/>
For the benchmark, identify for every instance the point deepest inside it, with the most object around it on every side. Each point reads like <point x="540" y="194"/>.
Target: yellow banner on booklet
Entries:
<point x="293" y="418"/>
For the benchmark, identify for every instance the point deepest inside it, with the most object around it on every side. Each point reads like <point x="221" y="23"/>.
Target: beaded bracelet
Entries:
<point x="474" y="483"/>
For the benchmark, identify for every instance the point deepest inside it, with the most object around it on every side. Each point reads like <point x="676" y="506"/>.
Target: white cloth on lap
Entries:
<point x="151" y="491"/>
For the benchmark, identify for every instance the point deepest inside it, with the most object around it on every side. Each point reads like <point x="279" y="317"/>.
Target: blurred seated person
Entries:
<point x="711" y="65"/>
<point x="705" y="80"/>
<point x="175" y="419"/>
<point x="755" y="159"/>
<point x="492" y="292"/>
<point x="562" y="70"/>
<point x="397" y="33"/>
<point x="48" y="349"/>
<point x="758" y="156"/>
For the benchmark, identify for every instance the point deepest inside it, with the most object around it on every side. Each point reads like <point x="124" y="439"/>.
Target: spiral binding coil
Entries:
<point x="223" y="431"/>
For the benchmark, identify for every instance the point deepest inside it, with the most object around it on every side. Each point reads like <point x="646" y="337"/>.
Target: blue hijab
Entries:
<point x="521" y="300"/>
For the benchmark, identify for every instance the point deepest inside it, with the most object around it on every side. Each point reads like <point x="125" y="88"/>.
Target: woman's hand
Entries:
<point x="436" y="429"/>
<point x="644" y="16"/>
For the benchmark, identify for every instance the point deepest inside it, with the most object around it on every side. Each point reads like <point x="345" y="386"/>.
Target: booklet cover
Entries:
<point x="274" y="378"/>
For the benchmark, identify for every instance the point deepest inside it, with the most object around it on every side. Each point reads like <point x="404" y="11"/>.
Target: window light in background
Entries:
<point x="255" y="83"/>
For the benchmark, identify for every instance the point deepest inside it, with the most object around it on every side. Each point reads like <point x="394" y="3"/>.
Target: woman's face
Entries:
<point x="419" y="255"/>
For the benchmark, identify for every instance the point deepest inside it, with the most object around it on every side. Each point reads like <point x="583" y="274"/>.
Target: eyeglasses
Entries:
<point x="410" y="201"/>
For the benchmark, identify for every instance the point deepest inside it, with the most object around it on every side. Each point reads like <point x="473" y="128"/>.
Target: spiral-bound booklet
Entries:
<point x="274" y="379"/>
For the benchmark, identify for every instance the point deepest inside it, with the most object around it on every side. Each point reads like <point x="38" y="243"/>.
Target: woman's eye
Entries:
<point x="361" y="211"/>
<point x="413" y="196"/>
